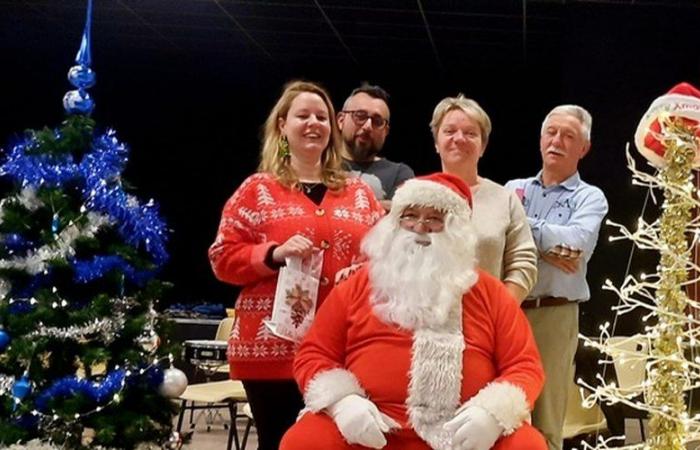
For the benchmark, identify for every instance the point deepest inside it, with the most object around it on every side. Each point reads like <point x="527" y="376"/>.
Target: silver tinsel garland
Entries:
<point x="27" y="198"/>
<point x="6" y="384"/>
<point x="35" y="261"/>
<point x="106" y="328"/>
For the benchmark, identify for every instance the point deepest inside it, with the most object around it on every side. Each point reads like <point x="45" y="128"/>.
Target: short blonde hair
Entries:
<point x="469" y="107"/>
<point x="332" y="173"/>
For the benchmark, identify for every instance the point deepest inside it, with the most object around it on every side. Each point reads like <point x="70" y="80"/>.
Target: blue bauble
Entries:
<point x="81" y="77"/>
<point x="55" y="223"/>
<point x="78" y="102"/>
<point x="21" y="307"/>
<point x="22" y="387"/>
<point x="4" y="340"/>
<point x="15" y="241"/>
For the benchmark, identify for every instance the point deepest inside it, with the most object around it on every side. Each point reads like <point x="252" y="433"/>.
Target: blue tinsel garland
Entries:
<point x="99" y="266"/>
<point x="98" y="393"/>
<point x="97" y="175"/>
<point x="38" y="170"/>
<point x="72" y="386"/>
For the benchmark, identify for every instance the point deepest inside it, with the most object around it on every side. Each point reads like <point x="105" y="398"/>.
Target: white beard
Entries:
<point x="415" y="285"/>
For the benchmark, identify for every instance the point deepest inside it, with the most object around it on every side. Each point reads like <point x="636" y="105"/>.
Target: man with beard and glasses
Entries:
<point x="419" y="349"/>
<point x="364" y="124"/>
<point x="565" y="214"/>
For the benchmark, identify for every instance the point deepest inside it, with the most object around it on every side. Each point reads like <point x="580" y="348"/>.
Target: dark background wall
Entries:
<point x="192" y="113"/>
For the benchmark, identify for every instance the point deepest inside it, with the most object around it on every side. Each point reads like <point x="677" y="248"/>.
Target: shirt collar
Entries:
<point x="570" y="183"/>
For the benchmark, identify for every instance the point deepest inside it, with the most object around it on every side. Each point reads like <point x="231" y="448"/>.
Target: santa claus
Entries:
<point x="419" y="349"/>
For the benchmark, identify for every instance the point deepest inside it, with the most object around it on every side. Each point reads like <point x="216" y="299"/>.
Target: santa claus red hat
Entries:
<point x="438" y="190"/>
<point x="683" y="101"/>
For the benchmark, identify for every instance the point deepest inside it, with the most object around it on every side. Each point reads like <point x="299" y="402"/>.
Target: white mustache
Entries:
<point x="423" y="239"/>
<point x="556" y="150"/>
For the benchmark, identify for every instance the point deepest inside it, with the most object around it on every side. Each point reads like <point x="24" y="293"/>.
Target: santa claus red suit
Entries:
<point x="422" y="340"/>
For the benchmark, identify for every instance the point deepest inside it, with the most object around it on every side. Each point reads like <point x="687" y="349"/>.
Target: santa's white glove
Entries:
<point x="474" y="428"/>
<point x="360" y="422"/>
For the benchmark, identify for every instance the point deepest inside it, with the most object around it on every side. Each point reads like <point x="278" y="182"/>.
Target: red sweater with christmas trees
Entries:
<point x="262" y="213"/>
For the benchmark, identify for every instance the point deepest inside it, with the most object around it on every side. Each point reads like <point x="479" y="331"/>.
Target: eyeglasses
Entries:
<point x="431" y="223"/>
<point x="360" y="116"/>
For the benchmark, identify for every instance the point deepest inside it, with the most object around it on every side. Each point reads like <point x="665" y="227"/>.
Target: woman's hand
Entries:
<point x="296" y="245"/>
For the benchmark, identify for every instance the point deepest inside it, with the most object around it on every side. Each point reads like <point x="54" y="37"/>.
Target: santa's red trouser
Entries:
<point x="319" y="432"/>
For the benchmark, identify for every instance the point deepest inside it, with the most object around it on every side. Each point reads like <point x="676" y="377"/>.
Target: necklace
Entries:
<point x="308" y="187"/>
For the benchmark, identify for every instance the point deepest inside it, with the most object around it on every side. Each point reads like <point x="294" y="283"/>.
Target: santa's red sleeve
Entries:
<point x="511" y="395"/>
<point x="236" y="256"/>
<point x="319" y="363"/>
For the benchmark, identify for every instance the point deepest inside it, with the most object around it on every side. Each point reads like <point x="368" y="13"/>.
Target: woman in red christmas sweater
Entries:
<point x="300" y="201"/>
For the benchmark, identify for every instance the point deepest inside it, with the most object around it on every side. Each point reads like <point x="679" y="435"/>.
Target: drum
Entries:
<point x="205" y="352"/>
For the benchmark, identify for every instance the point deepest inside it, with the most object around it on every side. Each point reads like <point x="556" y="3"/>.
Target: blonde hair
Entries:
<point x="469" y="107"/>
<point x="332" y="174"/>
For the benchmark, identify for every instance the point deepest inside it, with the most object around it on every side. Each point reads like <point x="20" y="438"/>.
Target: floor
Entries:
<point x="216" y="437"/>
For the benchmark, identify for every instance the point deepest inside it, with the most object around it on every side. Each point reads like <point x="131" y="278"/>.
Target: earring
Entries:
<point x="283" y="147"/>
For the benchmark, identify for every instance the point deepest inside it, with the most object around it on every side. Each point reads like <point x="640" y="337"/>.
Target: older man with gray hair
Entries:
<point x="565" y="214"/>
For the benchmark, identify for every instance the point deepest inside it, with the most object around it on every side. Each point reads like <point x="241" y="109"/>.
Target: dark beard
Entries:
<point x="362" y="154"/>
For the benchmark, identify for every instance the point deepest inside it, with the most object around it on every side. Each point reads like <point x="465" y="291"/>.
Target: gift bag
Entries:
<point x="296" y="297"/>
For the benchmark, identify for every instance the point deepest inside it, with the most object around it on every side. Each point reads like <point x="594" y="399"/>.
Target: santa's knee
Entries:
<point x="524" y="438"/>
<point x="313" y="432"/>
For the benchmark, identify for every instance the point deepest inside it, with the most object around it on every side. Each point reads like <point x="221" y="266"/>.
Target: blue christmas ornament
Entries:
<point x="55" y="223"/>
<point x="78" y="102"/>
<point x="15" y="242"/>
<point x="81" y="77"/>
<point x="21" y="306"/>
<point x="22" y="387"/>
<point x="4" y="340"/>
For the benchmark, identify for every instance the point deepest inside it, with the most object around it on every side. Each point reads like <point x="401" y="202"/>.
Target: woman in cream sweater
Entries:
<point x="505" y="247"/>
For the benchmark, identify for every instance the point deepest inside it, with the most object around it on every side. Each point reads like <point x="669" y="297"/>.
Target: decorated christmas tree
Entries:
<point x="83" y="356"/>
<point x="669" y="137"/>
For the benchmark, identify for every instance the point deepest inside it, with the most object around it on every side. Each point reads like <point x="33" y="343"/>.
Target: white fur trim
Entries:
<point x="416" y="192"/>
<point x="436" y="380"/>
<point x="506" y="402"/>
<point x="327" y="387"/>
<point x="672" y="105"/>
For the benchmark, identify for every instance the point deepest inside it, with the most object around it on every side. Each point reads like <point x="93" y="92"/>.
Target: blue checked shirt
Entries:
<point x="569" y="213"/>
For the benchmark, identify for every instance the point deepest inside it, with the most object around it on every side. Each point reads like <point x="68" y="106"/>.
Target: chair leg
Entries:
<point x="183" y="406"/>
<point x="246" y="432"/>
<point x="233" y="429"/>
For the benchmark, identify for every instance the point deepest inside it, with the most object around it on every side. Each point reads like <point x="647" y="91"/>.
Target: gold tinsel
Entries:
<point x="668" y="377"/>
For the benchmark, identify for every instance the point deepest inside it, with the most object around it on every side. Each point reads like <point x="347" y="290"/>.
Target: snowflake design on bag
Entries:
<point x="301" y="303"/>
